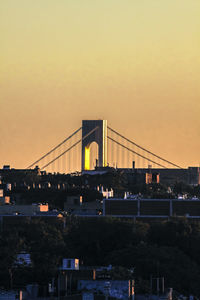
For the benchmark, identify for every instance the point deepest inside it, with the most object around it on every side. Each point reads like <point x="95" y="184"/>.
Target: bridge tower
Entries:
<point x="99" y="136"/>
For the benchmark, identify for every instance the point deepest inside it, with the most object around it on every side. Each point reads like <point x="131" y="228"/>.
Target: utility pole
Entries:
<point x="158" y="283"/>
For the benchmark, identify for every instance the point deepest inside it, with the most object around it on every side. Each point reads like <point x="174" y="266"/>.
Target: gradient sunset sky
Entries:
<point x="135" y="63"/>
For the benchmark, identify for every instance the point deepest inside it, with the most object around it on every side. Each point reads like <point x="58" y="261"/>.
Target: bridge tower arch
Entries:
<point x="99" y="136"/>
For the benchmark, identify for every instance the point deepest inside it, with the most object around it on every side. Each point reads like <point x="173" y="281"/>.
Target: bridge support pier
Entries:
<point x="99" y="136"/>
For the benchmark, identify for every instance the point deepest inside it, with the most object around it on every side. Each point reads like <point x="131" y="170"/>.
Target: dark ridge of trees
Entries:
<point x="167" y="249"/>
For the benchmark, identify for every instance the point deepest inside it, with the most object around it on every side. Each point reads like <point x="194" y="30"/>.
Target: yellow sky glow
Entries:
<point x="135" y="63"/>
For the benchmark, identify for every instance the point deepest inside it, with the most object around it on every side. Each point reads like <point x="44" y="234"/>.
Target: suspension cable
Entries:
<point x="71" y="147"/>
<point x="135" y="152"/>
<point x="167" y="161"/>
<point x="65" y="140"/>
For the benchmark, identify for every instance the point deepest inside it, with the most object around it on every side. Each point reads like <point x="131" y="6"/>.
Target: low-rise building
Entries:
<point x="74" y="205"/>
<point x="118" y="289"/>
<point x="152" y="208"/>
<point x="23" y="209"/>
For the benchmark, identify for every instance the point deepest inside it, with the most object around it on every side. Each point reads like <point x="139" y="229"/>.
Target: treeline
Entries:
<point x="168" y="249"/>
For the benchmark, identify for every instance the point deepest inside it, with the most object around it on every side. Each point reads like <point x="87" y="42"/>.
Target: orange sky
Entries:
<point x="135" y="63"/>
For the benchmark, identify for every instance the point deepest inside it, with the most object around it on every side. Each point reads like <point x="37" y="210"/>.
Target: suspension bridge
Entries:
<point x="95" y="144"/>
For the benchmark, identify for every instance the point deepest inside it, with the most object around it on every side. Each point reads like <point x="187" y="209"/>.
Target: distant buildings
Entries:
<point x="8" y="170"/>
<point x="190" y="176"/>
<point x="118" y="289"/>
<point x="74" y="205"/>
<point x="12" y="215"/>
<point x="152" y="208"/>
<point x="73" y="277"/>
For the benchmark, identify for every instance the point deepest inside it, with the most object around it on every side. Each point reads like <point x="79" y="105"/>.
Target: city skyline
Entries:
<point x="133" y="63"/>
